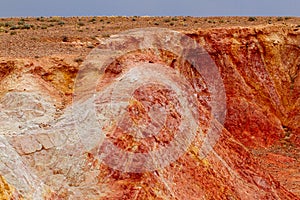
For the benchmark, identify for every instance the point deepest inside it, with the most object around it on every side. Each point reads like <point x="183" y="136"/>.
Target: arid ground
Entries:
<point x="256" y="157"/>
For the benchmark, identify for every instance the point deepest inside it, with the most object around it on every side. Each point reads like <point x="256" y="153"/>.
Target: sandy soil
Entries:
<point x="41" y="36"/>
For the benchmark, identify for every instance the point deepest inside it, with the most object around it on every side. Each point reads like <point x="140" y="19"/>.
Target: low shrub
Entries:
<point x="252" y="19"/>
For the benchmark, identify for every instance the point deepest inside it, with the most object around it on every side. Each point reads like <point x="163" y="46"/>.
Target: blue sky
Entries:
<point x="10" y="8"/>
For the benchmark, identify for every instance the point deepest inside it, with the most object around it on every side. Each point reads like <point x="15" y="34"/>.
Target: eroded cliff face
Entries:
<point x="260" y="68"/>
<point x="255" y="157"/>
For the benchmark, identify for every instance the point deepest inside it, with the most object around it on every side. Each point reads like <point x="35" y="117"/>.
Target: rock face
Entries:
<point x="49" y="142"/>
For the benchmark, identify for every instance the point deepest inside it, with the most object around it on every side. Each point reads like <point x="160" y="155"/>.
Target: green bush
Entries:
<point x="42" y="19"/>
<point x="279" y="19"/>
<point x="54" y="19"/>
<point x="61" y="23"/>
<point x="21" y="22"/>
<point x="252" y="19"/>
<point x="26" y="26"/>
<point x="8" y="24"/>
<point x="14" y="27"/>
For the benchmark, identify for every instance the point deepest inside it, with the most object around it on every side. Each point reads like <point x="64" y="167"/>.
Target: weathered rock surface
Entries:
<point x="257" y="155"/>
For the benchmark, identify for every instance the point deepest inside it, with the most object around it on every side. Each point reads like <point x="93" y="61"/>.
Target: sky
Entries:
<point x="23" y="8"/>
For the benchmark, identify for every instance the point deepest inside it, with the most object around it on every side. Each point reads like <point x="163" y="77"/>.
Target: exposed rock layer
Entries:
<point x="256" y="157"/>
